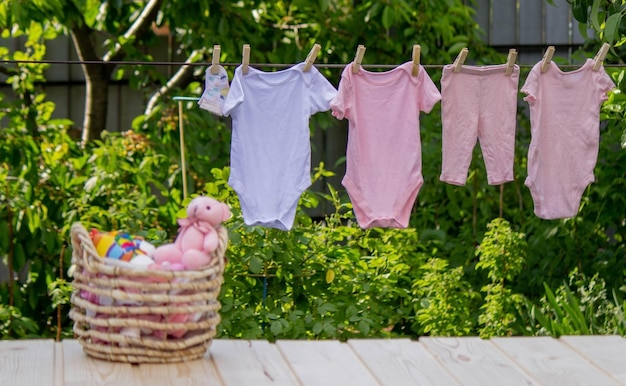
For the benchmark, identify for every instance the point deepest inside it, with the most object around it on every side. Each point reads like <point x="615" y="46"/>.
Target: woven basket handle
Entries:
<point x="222" y="245"/>
<point x="81" y="241"/>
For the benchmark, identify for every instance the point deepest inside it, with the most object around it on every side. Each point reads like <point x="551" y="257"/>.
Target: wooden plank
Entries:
<point x="113" y="108"/>
<point x="606" y="352"/>
<point x="530" y="58"/>
<point x="577" y="37"/>
<point x="58" y="364"/>
<point x="80" y="370"/>
<point x="531" y="22"/>
<point x="192" y="373"/>
<point x="475" y="361"/>
<point x="503" y="23"/>
<point x="18" y="359"/>
<point x="131" y="105"/>
<point x="59" y="94"/>
<point x="482" y="18"/>
<point x="325" y="362"/>
<point x="552" y="362"/>
<point x="397" y="362"/>
<point x="58" y="49"/>
<point x="244" y="362"/>
<point x="76" y="99"/>
<point x="558" y="23"/>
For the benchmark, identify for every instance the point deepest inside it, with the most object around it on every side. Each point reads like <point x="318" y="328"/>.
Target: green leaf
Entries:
<point x="256" y="265"/>
<point x="595" y="9"/>
<point x="20" y="257"/>
<point x="330" y="329"/>
<point x="4" y="236"/>
<point x="326" y="308"/>
<point x="388" y="17"/>
<point x="456" y="47"/>
<point x="90" y="12"/>
<point x="35" y="32"/>
<point x="579" y="11"/>
<point x="276" y="327"/>
<point x="582" y="29"/>
<point x="553" y="302"/>
<point x="33" y="299"/>
<point x="330" y="276"/>
<point x="611" y="27"/>
<point x="364" y="327"/>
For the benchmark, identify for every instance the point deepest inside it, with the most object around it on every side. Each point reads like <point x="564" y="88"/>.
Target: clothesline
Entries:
<point x="266" y="65"/>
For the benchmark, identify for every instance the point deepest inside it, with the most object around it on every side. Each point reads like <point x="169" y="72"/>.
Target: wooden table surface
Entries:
<point x="570" y="360"/>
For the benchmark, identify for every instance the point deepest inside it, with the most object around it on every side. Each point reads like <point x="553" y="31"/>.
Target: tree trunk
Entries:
<point x="97" y="77"/>
<point x="96" y="101"/>
<point x="98" y="71"/>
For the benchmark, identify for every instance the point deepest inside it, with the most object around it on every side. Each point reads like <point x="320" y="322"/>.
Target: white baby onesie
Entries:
<point x="270" y="156"/>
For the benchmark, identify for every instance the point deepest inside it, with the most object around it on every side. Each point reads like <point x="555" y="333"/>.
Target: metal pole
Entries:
<point x="181" y="129"/>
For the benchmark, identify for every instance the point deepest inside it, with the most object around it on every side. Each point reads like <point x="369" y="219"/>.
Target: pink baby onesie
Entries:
<point x="478" y="102"/>
<point x="564" y="120"/>
<point x="383" y="159"/>
<point x="270" y="153"/>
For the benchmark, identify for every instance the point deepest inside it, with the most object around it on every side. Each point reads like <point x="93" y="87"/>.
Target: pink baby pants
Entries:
<point x="478" y="103"/>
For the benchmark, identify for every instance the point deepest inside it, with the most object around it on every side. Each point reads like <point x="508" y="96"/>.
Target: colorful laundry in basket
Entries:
<point x="123" y="246"/>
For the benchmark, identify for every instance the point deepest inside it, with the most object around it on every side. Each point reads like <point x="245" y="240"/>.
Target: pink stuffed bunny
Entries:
<point x="197" y="236"/>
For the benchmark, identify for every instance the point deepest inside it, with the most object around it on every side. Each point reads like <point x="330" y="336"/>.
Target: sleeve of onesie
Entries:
<point x="341" y="104"/>
<point x="530" y="85"/>
<point x="429" y="94"/>
<point x="605" y="84"/>
<point x="321" y="92"/>
<point x="235" y="94"/>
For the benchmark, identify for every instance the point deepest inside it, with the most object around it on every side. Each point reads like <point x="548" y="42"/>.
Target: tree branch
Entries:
<point x="180" y="79"/>
<point x="137" y="30"/>
<point x="7" y="71"/>
<point x="82" y="38"/>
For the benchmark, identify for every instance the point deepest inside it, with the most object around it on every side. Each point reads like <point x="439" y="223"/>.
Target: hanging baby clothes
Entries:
<point x="270" y="147"/>
<point x="383" y="159"/>
<point x="215" y="91"/>
<point x="478" y="103"/>
<point x="564" y="118"/>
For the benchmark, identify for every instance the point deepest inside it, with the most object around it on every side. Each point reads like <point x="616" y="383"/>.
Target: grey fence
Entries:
<point x="529" y="26"/>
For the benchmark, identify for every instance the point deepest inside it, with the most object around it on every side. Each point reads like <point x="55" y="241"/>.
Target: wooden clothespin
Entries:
<point x="360" y="51"/>
<point x="599" y="58"/>
<point x="460" y="59"/>
<point x="245" y="61"/>
<point x="510" y="61"/>
<point x="215" y="62"/>
<point x="547" y="58"/>
<point x="416" y="59"/>
<point x="310" y="59"/>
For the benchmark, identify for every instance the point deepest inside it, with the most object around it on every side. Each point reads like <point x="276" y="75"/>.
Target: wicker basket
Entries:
<point x="129" y="314"/>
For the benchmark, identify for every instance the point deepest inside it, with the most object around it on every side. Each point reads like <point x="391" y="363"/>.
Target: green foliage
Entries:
<point x="30" y="219"/>
<point x="14" y="324"/>
<point x="326" y="279"/>
<point x="604" y="17"/>
<point x="443" y="300"/>
<point x="501" y="254"/>
<point x="582" y="306"/>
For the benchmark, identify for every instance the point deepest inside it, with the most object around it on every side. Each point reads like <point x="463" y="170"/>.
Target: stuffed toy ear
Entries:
<point x="226" y="212"/>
